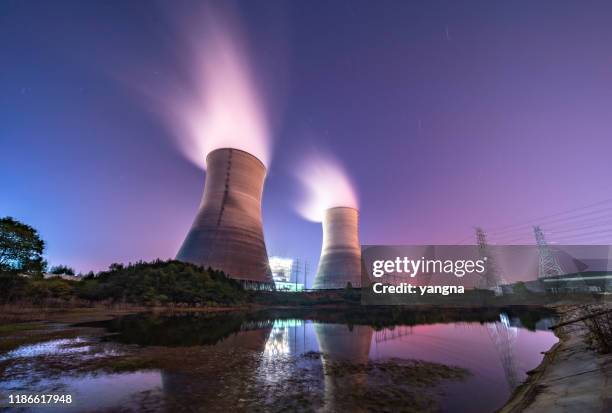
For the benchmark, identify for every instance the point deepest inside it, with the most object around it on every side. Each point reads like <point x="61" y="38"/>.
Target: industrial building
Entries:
<point x="281" y="268"/>
<point x="583" y="282"/>
<point x="282" y="271"/>
<point x="340" y="262"/>
<point x="596" y="282"/>
<point x="227" y="232"/>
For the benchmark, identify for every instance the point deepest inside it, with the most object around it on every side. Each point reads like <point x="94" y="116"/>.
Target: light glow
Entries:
<point x="281" y="268"/>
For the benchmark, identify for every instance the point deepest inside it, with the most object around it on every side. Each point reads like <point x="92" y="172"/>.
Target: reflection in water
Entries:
<point x="395" y="333"/>
<point x="252" y="337"/>
<point x="277" y="360"/>
<point x="470" y="345"/>
<point x="91" y="392"/>
<point x="498" y="350"/>
<point x="54" y="347"/>
<point x="100" y="392"/>
<point x="504" y="337"/>
<point x="254" y="340"/>
<point x="338" y="342"/>
<point x="278" y="341"/>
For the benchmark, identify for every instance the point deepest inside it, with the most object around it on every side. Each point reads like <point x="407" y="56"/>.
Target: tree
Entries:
<point x="62" y="269"/>
<point x="520" y="288"/>
<point x="21" y="248"/>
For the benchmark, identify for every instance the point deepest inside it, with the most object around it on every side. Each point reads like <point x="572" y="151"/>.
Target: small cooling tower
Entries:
<point x="340" y="261"/>
<point x="227" y="233"/>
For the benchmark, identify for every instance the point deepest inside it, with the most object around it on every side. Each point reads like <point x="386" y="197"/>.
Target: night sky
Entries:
<point x="445" y="115"/>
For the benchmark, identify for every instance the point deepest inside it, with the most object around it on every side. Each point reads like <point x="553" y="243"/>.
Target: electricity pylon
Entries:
<point x="549" y="267"/>
<point x="492" y="279"/>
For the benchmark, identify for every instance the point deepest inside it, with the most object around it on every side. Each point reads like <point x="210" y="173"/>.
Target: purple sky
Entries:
<point x="445" y="114"/>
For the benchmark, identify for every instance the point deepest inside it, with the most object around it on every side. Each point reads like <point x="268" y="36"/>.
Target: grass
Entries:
<point x="128" y="364"/>
<point x="18" y="327"/>
<point x="600" y="330"/>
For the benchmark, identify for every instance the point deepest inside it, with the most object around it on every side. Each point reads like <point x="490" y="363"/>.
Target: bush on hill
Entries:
<point x="155" y="283"/>
<point x="62" y="269"/>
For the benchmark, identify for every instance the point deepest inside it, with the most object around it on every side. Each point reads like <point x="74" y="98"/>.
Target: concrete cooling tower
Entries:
<point x="340" y="261"/>
<point x="227" y="233"/>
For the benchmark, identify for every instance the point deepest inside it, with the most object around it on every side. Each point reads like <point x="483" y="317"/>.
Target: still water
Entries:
<point x="298" y="361"/>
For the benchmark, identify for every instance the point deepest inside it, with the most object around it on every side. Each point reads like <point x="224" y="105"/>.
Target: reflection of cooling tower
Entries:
<point x="340" y="261"/>
<point x="339" y="343"/>
<point x="183" y="384"/>
<point x="227" y="233"/>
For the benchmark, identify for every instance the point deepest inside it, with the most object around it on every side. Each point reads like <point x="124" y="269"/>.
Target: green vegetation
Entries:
<point x="19" y="327"/>
<point x="62" y="269"/>
<point x="520" y="288"/>
<point x="155" y="283"/>
<point x="171" y="330"/>
<point x="21" y="248"/>
<point x="340" y="297"/>
<point x="162" y="282"/>
<point x="16" y="288"/>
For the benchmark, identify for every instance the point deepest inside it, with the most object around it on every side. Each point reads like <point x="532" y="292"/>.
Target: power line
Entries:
<point x="591" y="215"/>
<point x="578" y="229"/>
<point x="584" y="219"/>
<point x="582" y="233"/>
<point x="590" y="235"/>
<point x="551" y="235"/>
<point x="557" y="230"/>
<point x="547" y="217"/>
<point x="558" y="223"/>
<point x="462" y="240"/>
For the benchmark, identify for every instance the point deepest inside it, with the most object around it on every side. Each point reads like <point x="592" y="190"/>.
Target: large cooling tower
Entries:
<point x="227" y="232"/>
<point x="340" y="261"/>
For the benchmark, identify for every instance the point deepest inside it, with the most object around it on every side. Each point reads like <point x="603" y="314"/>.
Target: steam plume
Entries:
<point x="219" y="107"/>
<point x="326" y="185"/>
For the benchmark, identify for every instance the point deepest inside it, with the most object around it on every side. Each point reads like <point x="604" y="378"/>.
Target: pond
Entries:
<point x="275" y="360"/>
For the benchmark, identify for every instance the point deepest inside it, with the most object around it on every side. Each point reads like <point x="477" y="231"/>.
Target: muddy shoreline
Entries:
<point x="572" y="376"/>
<point x="17" y="314"/>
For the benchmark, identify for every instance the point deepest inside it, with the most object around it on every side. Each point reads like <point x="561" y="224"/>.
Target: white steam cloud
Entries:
<point x="221" y="107"/>
<point x="326" y="185"/>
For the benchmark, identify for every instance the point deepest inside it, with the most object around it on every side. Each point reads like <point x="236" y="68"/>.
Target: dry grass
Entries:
<point x="600" y="329"/>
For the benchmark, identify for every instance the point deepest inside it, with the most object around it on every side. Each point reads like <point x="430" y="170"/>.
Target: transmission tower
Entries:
<point x="549" y="267"/>
<point x="295" y="271"/>
<point x="492" y="279"/>
<point x="481" y="238"/>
